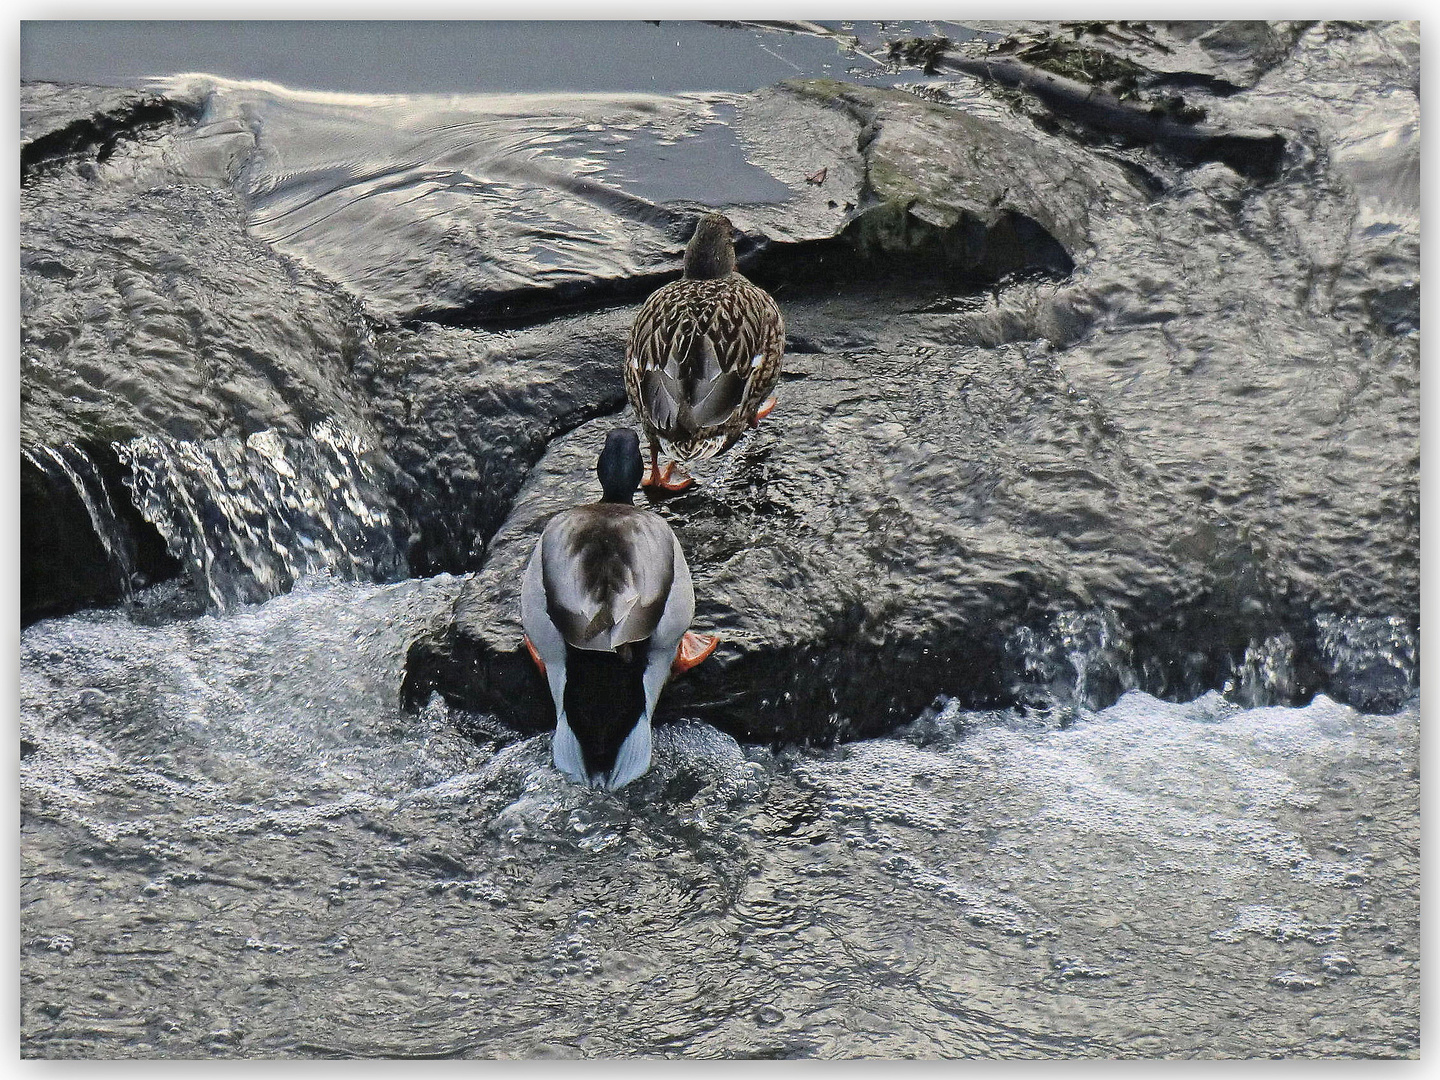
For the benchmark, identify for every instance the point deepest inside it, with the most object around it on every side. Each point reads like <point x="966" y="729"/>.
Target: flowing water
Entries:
<point x="236" y="842"/>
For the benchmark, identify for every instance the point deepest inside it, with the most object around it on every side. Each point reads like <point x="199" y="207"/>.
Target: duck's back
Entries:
<point x="703" y="354"/>
<point x="608" y="571"/>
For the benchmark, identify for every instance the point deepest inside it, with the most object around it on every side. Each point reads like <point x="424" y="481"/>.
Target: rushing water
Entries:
<point x="250" y="517"/>
<point x="236" y="842"/>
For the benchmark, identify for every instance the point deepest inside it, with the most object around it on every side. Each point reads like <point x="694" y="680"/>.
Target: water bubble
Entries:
<point x="1336" y="964"/>
<point x="768" y="1016"/>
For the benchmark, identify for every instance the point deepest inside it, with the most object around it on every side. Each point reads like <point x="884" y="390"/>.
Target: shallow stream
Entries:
<point x="236" y="842"/>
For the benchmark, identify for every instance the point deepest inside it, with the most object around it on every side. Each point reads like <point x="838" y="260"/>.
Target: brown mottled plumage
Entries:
<point x="704" y="354"/>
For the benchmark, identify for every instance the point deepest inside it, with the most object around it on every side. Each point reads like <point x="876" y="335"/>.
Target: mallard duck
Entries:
<point x="703" y="357"/>
<point x="606" y="603"/>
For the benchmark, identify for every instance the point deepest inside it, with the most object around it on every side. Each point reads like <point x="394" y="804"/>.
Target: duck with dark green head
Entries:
<point x="606" y="603"/>
<point x="704" y="356"/>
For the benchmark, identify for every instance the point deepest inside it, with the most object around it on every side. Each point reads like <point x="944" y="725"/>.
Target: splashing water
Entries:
<point x="73" y="466"/>
<point x="218" y="808"/>
<point x="251" y="517"/>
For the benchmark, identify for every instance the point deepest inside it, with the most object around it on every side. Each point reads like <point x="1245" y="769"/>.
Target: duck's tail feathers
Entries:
<point x="603" y="739"/>
<point x="632" y="760"/>
<point x="683" y="450"/>
<point x="693" y="390"/>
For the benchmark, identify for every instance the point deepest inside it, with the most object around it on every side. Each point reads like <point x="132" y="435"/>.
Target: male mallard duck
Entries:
<point x="606" y="604"/>
<point x="704" y="354"/>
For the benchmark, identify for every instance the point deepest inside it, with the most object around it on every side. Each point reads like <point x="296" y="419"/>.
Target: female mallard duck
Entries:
<point x="704" y="355"/>
<point x="606" y="604"/>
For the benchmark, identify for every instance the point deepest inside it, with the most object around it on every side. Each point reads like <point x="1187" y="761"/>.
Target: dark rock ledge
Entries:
<point x="149" y="308"/>
<point x="907" y="525"/>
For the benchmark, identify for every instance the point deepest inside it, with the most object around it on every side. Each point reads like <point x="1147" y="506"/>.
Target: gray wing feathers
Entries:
<point x="692" y="388"/>
<point x="679" y="608"/>
<point x="541" y="631"/>
<point x="607" y="574"/>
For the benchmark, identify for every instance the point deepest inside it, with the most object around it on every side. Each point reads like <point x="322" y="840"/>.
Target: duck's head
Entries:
<point x="620" y="466"/>
<point x="711" y="251"/>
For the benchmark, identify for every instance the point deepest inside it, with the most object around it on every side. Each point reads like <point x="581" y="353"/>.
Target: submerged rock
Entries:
<point x="152" y="312"/>
<point x="1070" y="80"/>
<point x="61" y="124"/>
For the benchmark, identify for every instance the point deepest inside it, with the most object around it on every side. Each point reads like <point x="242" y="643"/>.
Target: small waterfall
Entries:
<point x="69" y="466"/>
<point x="1266" y="676"/>
<point x="1375" y="658"/>
<point x="248" y="517"/>
<point x="1083" y="659"/>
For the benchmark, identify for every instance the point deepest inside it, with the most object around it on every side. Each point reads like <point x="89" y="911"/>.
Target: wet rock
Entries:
<point x="1240" y="50"/>
<point x="879" y="543"/>
<point x="465" y="413"/>
<point x="958" y="194"/>
<point x="148" y="312"/>
<point x="1375" y="659"/>
<point x="1216" y="57"/>
<point x="1337" y="964"/>
<point x="449" y="215"/>
<point x="1295" y="980"/>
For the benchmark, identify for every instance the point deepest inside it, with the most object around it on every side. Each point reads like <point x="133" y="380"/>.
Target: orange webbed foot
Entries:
<point x="530" y="648"/>
<point x="671" y="478"/>
<point x="692" y="649"/>
<point x="765" y="410"/>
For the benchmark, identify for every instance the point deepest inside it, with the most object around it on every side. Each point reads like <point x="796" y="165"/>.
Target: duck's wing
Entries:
<point x="698" y="349"/>
<point x="607" y="573"/>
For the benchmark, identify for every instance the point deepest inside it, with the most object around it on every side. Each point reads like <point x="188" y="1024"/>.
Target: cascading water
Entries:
<point x="256" y="845"/>
<point x="70" y="465"/>
<point x="249" y="518"/>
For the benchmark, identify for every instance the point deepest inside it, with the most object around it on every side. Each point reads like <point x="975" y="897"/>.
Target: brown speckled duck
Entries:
<point x="704" y="356"/>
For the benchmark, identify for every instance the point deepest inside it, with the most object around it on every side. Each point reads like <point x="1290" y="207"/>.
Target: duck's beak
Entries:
<point x="530" y="648"/>
<point x="692" y="649"/>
